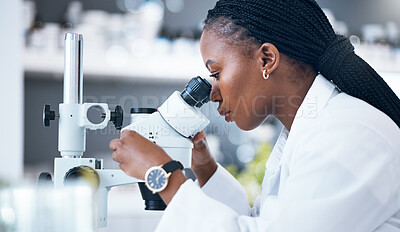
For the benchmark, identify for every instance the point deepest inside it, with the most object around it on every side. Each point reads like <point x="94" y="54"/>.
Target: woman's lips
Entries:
<point x="228" y="116"/>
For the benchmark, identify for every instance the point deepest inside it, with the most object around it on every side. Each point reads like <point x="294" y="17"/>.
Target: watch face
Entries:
<point x="156" y="179"/>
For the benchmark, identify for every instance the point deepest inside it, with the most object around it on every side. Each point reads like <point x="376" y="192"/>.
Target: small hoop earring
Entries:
<point x="265" y="77"/>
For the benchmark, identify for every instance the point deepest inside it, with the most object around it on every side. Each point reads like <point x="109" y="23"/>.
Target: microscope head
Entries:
<point x="181" y="110"/>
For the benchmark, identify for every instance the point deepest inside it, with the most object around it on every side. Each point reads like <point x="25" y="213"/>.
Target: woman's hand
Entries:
<point x="203" y="164"/>
<point x="136" y="154"/>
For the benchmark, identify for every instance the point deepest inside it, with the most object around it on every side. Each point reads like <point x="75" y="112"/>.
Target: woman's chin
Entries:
<point x="246" y="126"/>
<point x="249" y="124"/>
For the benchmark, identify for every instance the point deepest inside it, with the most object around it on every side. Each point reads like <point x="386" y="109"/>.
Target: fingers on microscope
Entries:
<point x="126" y="133"/>
<point x="114" y="144"/>
<point x="198" y="137"/>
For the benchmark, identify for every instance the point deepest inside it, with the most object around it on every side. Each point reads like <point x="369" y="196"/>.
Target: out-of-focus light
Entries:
<point x="236" y="138"/>
<point x="392" y="31"/>
<point x="7" y="215"/>
<point x="355" y="40"/>
<point x="153" y="10"/>
<point x="117" y="56"/>
<point x="373" y="32"/>
<point x="162" y="46"/>
<point x="121" y="5"/>
<point x="140" y="48"/>
<point x="175" y="6"/>
<point x="263" y="133"/>
<point x="140" y="6"/>
<point x="245" y="153"/>
<point x="131" y="30"/>
<point x="214" y="144"/>
<point x="133" y="6"/>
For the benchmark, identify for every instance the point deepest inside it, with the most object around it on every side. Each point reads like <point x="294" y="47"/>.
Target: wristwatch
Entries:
<point x="156" y="178"/>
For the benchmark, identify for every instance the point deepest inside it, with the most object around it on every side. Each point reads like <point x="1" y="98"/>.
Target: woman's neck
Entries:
<point x="298" y="87"/>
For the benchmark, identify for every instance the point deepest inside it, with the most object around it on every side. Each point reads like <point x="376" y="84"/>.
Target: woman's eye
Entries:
<point x="216" y="75"/>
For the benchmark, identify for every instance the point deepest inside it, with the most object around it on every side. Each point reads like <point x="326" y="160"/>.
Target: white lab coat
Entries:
<point x="337" y="170"/>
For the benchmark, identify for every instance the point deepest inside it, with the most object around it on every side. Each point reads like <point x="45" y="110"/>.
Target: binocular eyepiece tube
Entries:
<point x="197" y="92"/>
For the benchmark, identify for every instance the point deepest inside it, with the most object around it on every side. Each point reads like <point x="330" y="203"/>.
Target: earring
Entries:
<point x="265" y="77"/>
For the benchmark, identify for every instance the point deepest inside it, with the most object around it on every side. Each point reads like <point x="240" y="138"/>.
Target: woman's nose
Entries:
<point x="215" y="95"/>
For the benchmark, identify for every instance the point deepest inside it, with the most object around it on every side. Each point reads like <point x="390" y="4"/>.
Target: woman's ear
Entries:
<point x="269" y="57"/>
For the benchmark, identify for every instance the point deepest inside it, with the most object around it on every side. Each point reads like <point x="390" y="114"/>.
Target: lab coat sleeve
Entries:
<point x="331" y="186"/>
<point x="223" y="187"/>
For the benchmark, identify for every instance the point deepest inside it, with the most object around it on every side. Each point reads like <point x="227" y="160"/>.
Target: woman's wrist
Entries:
<point x="174" y="183"/>
<point x="205" y="171"/>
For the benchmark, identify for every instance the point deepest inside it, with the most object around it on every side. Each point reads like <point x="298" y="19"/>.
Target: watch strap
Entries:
<point x="172" y="166"/>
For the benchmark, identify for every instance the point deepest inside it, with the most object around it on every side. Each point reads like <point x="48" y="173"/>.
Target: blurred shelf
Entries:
<point x="158" y="68"/>
<point x="102" y="66"/>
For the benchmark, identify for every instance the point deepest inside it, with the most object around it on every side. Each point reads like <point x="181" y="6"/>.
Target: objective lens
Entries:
<point x="197" y="92"/>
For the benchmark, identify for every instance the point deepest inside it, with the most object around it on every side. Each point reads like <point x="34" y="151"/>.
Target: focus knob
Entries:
<point x="117" y="117"/>
<point x="48" y="115"/>
<point x="44" y="178"/>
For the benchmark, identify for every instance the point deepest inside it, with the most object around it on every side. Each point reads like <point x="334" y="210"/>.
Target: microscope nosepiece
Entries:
<point x="197" y="92"/>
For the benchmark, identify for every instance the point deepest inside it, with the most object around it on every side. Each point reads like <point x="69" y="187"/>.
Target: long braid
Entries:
<point x="301" y="30"/>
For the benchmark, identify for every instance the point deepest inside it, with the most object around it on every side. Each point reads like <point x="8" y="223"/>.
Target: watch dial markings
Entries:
<point x="156" y="179"/>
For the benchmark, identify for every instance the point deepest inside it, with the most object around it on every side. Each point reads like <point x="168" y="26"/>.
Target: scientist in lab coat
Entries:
<point x="336" y="164"/>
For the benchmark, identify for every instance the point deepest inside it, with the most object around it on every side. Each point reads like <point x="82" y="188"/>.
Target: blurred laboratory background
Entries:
<point x="136" y="53"/>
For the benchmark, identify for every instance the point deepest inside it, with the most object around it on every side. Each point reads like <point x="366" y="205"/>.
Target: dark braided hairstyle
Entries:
<point x="301" y="30"/>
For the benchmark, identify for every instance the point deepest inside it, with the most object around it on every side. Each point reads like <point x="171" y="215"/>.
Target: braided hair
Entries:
<point x="301" y="30"/>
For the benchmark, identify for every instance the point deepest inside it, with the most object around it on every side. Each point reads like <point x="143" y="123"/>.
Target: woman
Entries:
<point x="335" y="166"/>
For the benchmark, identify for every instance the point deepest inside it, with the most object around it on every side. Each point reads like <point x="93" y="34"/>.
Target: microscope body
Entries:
<point x="169" y="127"/>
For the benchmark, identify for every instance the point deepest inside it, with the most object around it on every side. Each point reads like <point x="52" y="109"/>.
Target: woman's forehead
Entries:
<point x="209" y="37"/>
<point x="219" y="48"/>
<point x="212" y="42"/>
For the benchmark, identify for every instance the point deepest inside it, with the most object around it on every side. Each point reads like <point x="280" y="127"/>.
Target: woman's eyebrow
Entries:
<point x="210" y="62"/>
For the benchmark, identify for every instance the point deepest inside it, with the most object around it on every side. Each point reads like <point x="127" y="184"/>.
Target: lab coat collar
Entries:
<point x="315" y="100"/>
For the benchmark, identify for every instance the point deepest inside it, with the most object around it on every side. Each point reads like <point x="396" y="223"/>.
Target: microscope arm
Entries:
<point x="108" y="179"/>
<point x="115" y="177"/>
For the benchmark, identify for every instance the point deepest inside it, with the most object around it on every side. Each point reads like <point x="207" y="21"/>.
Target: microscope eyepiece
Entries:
<point x="197" y="92"/>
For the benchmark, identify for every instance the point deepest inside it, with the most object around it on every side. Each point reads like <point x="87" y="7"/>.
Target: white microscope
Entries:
<point x="169" y="126"/>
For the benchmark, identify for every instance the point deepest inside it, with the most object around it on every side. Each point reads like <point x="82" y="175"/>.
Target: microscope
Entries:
<point x="169" y="126"/>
